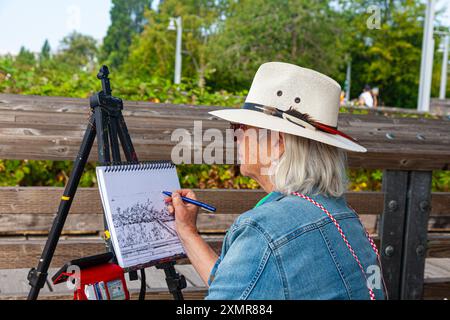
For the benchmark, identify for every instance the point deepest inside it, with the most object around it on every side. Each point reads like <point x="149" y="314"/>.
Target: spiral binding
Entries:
<point x="137" y="166"/>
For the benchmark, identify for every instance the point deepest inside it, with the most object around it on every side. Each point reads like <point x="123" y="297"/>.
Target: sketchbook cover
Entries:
<point x="142" y="230"/>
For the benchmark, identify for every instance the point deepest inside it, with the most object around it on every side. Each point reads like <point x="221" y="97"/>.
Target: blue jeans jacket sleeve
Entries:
<point x="248" y="249"/>
<point x="214" y="270"/>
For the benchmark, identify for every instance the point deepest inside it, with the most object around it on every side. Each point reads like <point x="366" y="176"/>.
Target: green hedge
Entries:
<point x="56" y="173"/>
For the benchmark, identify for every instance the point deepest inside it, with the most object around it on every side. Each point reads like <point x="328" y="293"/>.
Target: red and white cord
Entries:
<point x="371" y="293"/>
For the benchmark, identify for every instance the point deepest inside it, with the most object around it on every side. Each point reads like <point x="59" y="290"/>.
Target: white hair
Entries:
<point x="308" y="166"/>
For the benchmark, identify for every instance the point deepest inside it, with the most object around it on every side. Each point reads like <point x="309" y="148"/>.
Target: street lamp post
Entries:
<point x="426" y="64"/>
<point x="176" y="24"/>
<point x="348" y="81"/>
<point x="443" y="88"/>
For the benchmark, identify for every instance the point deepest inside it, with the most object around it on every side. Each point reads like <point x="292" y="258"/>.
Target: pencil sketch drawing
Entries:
<point x="143" y="223"/>
<point x="142" y="230"/>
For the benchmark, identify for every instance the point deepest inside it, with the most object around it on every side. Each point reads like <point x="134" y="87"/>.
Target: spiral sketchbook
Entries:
<point x="142" y="230"/>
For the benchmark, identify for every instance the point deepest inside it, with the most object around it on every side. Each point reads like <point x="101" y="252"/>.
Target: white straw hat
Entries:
<point x="295" y="100"/>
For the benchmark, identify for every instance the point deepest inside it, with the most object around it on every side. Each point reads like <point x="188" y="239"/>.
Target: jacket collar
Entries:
<point x="272" y="196"/>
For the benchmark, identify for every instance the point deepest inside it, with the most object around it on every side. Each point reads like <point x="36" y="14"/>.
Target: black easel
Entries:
<point x="107" y="122"/>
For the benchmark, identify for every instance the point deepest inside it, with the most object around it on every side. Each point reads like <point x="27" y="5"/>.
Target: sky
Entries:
<point x="29" y="22"/>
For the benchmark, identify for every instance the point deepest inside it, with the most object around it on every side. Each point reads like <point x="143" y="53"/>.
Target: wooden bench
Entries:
<point x="407" y="149"/>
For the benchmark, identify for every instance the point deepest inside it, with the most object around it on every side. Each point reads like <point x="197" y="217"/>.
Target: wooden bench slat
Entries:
<point x="88" y="224"/>
<point x="152" y="294"/>
<point x="85" y="224"/>
<point x="434" y="291"/>
<point x="45" y="200"/>
<point x="92" y="224"/>
<point x="52" y="128"/>
<point x="26" y="253"/>
<point x="15" y="284"/>
<point x="31" y="210"/>
<point x="68" y="104"/>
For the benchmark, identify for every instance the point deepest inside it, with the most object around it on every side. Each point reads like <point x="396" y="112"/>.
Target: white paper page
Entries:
<point x="142" y="230"/>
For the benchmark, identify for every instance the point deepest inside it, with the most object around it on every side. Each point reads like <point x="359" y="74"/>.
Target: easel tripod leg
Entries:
<point x="37" y="277"/>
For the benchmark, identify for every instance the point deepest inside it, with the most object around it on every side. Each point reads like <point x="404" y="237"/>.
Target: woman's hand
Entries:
<point x="198" y="251"/>
<point x="185" y="213"/>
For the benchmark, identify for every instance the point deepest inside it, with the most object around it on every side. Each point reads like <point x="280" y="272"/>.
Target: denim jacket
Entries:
<point x="288" y="248"/>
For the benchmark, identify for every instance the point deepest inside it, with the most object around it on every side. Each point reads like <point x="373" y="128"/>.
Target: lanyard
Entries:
<point x="260" y="202"/>
<point x="374" y="247"/>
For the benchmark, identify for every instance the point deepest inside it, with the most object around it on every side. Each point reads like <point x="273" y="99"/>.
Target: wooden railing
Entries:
<point x="411" y="224"/>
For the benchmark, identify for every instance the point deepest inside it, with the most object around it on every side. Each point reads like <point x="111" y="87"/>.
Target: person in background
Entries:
<point x="365" y="98"/>
<point x="375" y="92"/>
<point x="342" y="100"/>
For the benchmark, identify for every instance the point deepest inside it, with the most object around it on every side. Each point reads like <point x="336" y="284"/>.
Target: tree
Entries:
<point x="45" y="51"/>
<point x="303" y="32"/>
<point x="153" y="51"/>
<point x="127" y="20"/>
<point x="25" y="58"/>
<point x="78" y="51"/>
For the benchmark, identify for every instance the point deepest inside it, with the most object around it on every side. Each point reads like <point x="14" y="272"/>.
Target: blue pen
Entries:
<point x="205" y="206"/>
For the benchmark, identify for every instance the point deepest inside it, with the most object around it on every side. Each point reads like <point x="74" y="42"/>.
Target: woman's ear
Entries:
<point x="281" y="142"/>
<point x="281" y="139"/>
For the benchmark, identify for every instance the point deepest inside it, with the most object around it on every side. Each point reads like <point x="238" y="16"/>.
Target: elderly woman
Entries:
<point x="302" y="240"/>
